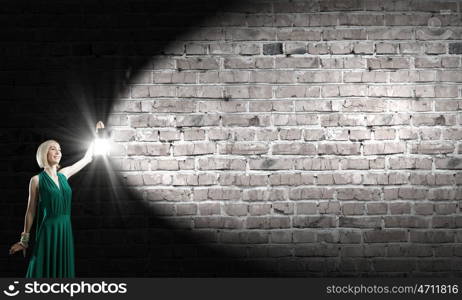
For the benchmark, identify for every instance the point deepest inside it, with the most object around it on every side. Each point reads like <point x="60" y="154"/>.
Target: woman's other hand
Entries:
<point x="17" y="247"/>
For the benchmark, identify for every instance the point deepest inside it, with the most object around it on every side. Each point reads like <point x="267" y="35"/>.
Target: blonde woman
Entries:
<point x="50" y="196"/>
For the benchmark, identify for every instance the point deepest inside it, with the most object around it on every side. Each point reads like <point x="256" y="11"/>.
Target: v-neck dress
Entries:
<point x="53" y="253"/>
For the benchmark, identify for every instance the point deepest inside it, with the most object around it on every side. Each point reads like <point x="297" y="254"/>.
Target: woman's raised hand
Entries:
<point x="99" y="125"/>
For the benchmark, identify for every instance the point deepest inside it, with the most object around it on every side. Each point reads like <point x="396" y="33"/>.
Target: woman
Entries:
<point x="53" y="254"/>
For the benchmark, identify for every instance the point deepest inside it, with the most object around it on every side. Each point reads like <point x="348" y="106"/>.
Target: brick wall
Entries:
<point x="265" y="138"/>
<point x="324" y="135"/>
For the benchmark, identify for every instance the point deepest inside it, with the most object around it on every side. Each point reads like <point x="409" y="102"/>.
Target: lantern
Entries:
<point x="102" y="144"/>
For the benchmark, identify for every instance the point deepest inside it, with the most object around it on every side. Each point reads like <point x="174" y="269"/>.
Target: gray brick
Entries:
<point x="243" y="180"/>
<point x="349" y="237"/>
<point x="352" y="251"/>
<point x="344" y="34"/>
<point x="445" y="208"/>
<point x="197" y="63"/>
<point x="332" y="5"/>
<point x="236" y="209"/>
<point x="406" y="222"/>
<point x="361" y="194"/>
<point x="295" y="48"/>
<point x="385" y="236"/>
<point x="245" y="120"/>
<point x="286" y="208"/>
<point x="209" y="208"/>
<point x="390" y="34"/>
<point x="412" y="250"/>
<point x="303" y="236"/>
<point x="388" y="63"/>
<point x="193" y="148"/>
<point x="267" y="222"/>
<point x="423" y="208"/>
<point x="169" y="194"/>
<point x="435" y="236"/>
<point x="186" y="209"/>
<point x="250" y="34"/>
<point x="352" y="209"/>
<point x="246" y="148"/>
<point x="455" y="48"/>
<point x="306" y="208"/>
<point x="314" y="222"/>
<point x="270" y="164"/>
<point x="264" y="195"/>
<point x="398" y="208"/>
<point x="318" y="48"/>
<point x="259" y="209"/>
<point x="272" y="49"/>
<point x="323" y="250"/>
<point x="221" y="164"/>
<point x="311" y="193"/>
<point x="444" y="222"/>
<point x="217" y="222"/>
<point x="360" y="222"/>
<point x="281" y="237"/>
<point x="298" y="34"/>
<point x="329" y="207"/>
<point x="293" y="149"/>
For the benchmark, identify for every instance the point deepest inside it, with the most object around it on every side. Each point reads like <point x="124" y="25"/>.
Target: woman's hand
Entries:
<point x="99" y="125"/>
<point x="18" y="247"/>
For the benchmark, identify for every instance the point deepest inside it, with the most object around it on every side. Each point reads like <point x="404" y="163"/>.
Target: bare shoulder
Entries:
<point x="34" y="181"/>
<point x="64" y="173"/>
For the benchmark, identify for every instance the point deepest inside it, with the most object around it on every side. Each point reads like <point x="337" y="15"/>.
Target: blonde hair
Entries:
<point x="42" y="153"/>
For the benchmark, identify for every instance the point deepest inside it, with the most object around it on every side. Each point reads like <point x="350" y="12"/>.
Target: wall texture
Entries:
<point x="265" y="138"/>
<point x="317" y="136"/>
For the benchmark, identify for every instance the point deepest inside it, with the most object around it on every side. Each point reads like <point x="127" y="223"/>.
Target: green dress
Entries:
<point x="53" y="253"/>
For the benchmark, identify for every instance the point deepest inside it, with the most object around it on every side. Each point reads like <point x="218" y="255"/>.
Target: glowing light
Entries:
<point x="102" y="146"/>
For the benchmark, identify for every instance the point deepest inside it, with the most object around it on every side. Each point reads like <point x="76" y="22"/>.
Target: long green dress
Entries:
<point x="53" y="253"/>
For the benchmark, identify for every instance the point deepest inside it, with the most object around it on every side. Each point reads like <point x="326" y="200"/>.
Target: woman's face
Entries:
<point x="54" y="154"/>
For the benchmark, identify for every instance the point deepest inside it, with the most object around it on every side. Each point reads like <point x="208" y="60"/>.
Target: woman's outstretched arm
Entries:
<point x="79" y="165"/>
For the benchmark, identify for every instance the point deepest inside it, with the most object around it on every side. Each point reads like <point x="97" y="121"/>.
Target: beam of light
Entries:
<point x="102" y="184"/>
<point x="102" y="146"/>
